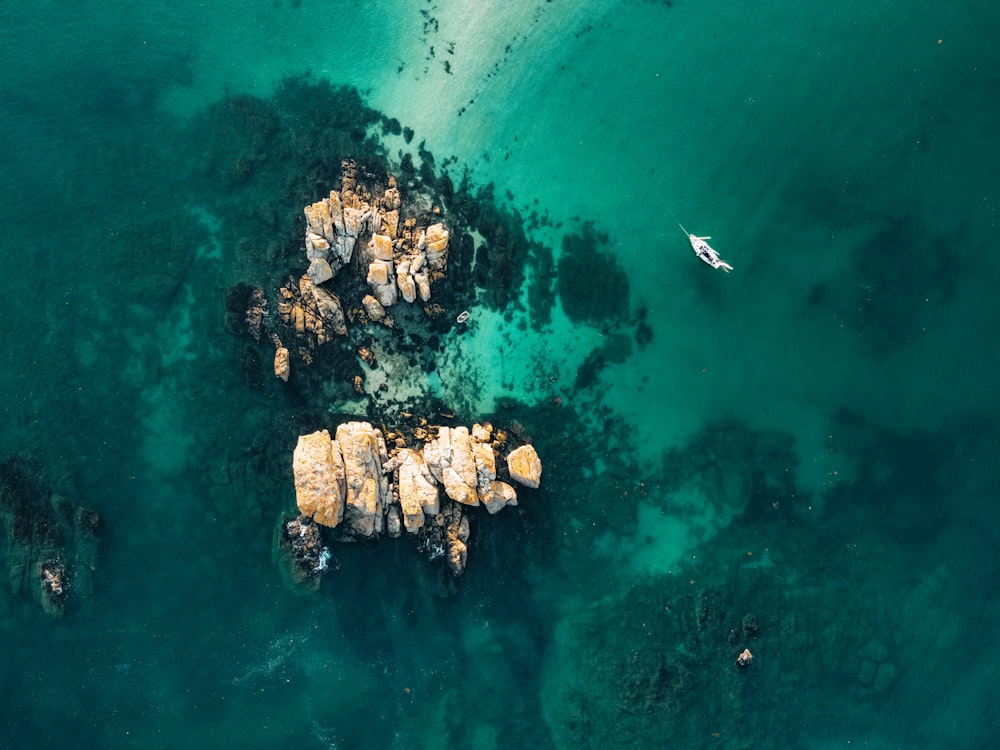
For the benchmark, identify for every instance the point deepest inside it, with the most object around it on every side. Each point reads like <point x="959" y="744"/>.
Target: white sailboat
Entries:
<point x="704" y="251"/>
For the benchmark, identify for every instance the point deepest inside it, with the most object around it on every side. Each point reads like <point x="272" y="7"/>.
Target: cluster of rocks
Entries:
<point x="51" y="543"/>
<point x="399" y="260"/>
<point x="354" y="482"/>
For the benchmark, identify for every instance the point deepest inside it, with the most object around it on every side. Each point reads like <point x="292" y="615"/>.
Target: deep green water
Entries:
<point x="810" y="440"/>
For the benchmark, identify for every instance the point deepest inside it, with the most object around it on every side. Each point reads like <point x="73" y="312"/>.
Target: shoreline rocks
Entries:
<point x="354" y="483"/>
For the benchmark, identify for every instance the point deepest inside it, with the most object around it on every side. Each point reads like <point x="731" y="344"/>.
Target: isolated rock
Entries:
<point x="282" y="368"/>
<point x="525" y="467"/>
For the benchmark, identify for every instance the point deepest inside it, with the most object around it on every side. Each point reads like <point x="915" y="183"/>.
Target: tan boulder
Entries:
<point x="437" y="453"/>
<point x="449" y="458"/>
<point x="393" y="524"/>
<point x="325" y="305"/>
<point x="382" y="281"/>
<point x="456" y="534"/>
<point x="423" y="282"/>
<point x="298" y="316"/>
<point x="282" y="367"/>
<point x="320" y="486"/>
<point x="458" y="555"/>
<point x="524" y="465"/>
<point x="381" y="247"/>
<point x="407" y="287"/>
<point x="436" y="246"/>
<point x="319" y="271"/>
<point x="486" y="466"/>
<point x="387" y="294"/>
<point x="391" y="200"/>
<point x="367" y="487"/>
<point x="418" y="493"/>
<point x="316" y="246"/>
<point x="320" y="220"/>
<point x="390" y="222"/>
<point x="336" y="208"/>
<point x="378" y="272"/>
<point x="482" y="433"/>
<point x="355" y="220"/>
<point x="498" y="496"/>
<point x="373" y="308"/>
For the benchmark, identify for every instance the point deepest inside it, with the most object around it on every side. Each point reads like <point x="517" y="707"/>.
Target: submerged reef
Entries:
<point x="592" y="286"/>
<point x="50" y="544"/>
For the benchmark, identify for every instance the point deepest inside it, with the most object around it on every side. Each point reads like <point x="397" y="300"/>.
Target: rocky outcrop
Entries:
<point x="311" y="311"/>
<point x="457" y="534"/>
<point x="355" y="484"/>
<point x="325" y="305"/>
<point x="358" y="231"/>
<point x="331" y="234"/>
<point x="524" y="466"/>
<point x="446" y="536"/>
<point x="398" y="262"/>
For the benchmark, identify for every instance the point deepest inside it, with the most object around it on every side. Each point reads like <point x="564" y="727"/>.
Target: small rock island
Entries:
<point x="399" y="261"/>
<point x="355" y="483"/>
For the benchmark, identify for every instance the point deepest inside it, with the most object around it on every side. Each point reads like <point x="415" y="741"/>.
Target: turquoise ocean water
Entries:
<point x="798" y="457"/>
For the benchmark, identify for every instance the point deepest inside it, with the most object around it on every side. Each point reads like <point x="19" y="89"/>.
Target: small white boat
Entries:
<point x="704" y="251"/>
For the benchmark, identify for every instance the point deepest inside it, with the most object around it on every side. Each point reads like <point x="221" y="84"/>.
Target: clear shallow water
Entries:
<point x="826" y="407"/>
